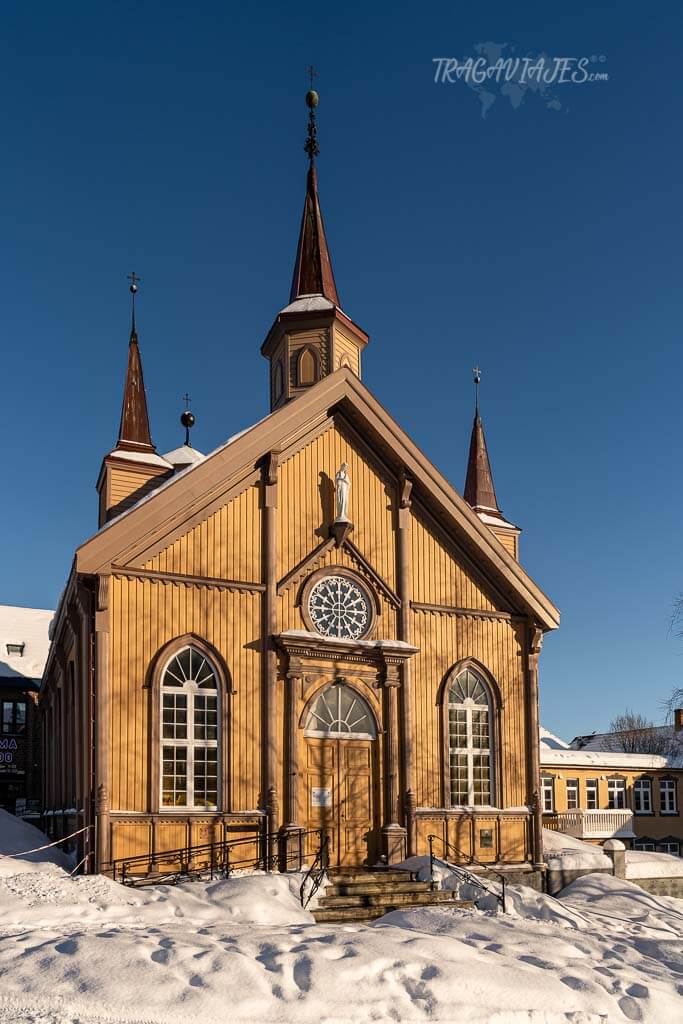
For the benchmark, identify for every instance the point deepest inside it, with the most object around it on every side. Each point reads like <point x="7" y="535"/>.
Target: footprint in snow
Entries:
<point x="430" y="972"/>
<point x="302" y="973"/>
<point x="577" y="984"/>
<point x="630" y="1008"/>
<point x="638" y="991"/>
<point x="69" y="946"/>
<point x="537" y="962"/>
<point x="197" y="981"/>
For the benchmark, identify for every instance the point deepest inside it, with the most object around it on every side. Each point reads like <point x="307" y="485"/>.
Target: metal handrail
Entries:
<point x="466" y="875"/>
<point x="316" y="872"/>
<point x="219" y="857"/>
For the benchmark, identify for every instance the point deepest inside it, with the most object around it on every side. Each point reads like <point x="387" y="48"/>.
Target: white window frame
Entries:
<point x="574" y="787"/>
<point x="616" y="794"/>
<point x="548" y="794"/>
<point x="642" y="788"/>
<point x="191" y="689"/>
<point x="326" y="712"/>
<point x="671" y="846"/>
<point x="668" y="796"/>
<point x="469" y="751"/>
<point x="592" y="793"/>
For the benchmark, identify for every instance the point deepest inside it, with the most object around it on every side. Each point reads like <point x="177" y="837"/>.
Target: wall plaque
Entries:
<point x="321" y="796"/>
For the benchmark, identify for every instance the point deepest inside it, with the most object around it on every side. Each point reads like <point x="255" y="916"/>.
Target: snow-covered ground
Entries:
<point x="87" y="950"/>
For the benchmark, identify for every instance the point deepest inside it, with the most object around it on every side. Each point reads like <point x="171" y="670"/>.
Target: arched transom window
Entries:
<point x="469" y="740"/>
<point x="189" y="732"/>
<point x="340" y="713"/>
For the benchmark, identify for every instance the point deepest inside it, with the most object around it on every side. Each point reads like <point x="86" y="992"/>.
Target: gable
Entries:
<point x="185" y="501"/>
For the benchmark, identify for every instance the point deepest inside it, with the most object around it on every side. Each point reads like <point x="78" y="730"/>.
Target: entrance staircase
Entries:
<point x="363" y="894"/>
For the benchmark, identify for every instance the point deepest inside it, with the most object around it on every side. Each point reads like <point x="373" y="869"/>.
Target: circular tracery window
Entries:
<point x="340" y="607"/>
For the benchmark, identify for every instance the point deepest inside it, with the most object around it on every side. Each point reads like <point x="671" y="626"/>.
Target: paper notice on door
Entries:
<point x="321" y="796"/>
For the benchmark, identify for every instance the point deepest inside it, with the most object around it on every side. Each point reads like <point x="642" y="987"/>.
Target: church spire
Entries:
<point x="479" y="490"/>
<point x="134" y="433"/>
<point x="313" y="274"/>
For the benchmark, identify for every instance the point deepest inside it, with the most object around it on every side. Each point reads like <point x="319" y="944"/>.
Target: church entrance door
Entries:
<point x="342" y="780"/>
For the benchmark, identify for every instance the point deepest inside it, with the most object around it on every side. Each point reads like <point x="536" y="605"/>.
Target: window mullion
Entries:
<point x="190" y="750"/>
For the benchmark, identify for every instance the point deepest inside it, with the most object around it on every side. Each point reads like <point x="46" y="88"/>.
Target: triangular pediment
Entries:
<point x="236" y="468"/>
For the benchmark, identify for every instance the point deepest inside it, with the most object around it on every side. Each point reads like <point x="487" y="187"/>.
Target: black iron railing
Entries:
<point x="288" y="851"/>
<point x="316" y="872"/>
<point x="467" y="876"/>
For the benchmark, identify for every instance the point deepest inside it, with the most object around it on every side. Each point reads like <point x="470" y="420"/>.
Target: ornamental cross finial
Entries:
<point x="133" y="278"/>
<point x="311" y="145"/>
<point x="476" y="373"/>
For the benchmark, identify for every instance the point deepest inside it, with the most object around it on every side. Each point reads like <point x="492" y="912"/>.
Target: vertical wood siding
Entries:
<point x="226" y="545"/>
<point x="147" y="614"/>
<point x="438" y="578"/>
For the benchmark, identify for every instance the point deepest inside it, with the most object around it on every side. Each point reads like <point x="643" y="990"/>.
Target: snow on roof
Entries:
<point x="27" y="626"/>
<point x="308" y="303"/>
<point x="605" y="759"/>
<point x="496" y="520"/>
<point x="186" y="455"/>
<point x="149" y="458"/>
<point x="551" y="742"/>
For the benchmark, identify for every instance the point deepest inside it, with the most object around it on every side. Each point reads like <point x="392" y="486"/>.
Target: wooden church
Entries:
<point x="307" y="629"/>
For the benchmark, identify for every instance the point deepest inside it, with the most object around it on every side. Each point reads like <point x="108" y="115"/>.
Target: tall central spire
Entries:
<point x="313" y="274"/>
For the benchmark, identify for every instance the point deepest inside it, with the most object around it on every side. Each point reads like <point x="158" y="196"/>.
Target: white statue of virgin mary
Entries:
<point x="342" y="483"/>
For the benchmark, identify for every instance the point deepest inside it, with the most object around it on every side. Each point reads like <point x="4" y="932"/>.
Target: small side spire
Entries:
<point x="479" y="490"/>
<point x="313" y="274"/>
<point x="134" y="432"/>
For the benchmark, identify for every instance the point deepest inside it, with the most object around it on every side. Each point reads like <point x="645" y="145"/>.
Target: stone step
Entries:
<point x="347" y="876"/>
<point x="334" y="915"/>
<point x="388" y="899"/>
<point x="373" y="887"/>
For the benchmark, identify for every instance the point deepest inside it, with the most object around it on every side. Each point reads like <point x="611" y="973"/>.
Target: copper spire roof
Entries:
<point x="134" y="431"/>
<point x="313" y="274"/>
<point x="479" y="490"/>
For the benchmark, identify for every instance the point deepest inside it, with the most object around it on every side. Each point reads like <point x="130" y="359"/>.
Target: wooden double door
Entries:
<point x="341" y="793"/>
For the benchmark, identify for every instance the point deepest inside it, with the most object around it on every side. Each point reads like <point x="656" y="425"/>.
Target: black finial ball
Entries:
<point x="311" y="98"/>
<point x="187" y="419"/>
<point x="133" y="289"/>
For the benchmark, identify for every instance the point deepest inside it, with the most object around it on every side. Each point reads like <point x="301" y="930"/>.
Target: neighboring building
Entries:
<point x="308" y="628"/>
<point x="593" y="791"/>
<point x="24" y="644"/>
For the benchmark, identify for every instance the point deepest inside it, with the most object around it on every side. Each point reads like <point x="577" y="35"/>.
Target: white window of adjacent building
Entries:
<point x="548" y="793"/>
<point x="616" y="794"/>
<point x="644" y="844"/>
<point x="671" y="846"/>
<point x="667" y="796"/>
<point x="469" y="740"/>
<point x="592" y="799"/>
<point x="572" y="794"/>
<point x="642" y="796"/>
<point x="189" y="732"/>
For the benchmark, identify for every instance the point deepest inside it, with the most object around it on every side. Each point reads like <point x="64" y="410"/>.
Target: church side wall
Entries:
<point x="145" y="616"/>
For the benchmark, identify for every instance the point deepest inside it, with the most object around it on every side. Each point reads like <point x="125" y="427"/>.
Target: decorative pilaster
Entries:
<point x="534" y="651"/>
<point x="393" y="833"/>
<point x="269" y="789"/>
<point x="102" y="724"/>
<point x="404" y="587"/>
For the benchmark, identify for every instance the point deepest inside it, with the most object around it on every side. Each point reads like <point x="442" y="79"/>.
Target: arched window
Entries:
<point x="190" y="713"/>
<point x="340" y="713"/>
<point x="469" y="740"/>
<point x="307" y="368"/>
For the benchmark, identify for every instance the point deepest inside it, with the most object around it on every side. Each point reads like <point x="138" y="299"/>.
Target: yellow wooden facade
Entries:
<point x="222" y="559"/>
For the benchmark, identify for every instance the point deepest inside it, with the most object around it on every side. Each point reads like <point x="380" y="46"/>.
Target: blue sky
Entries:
<point x="543" y="244"/>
